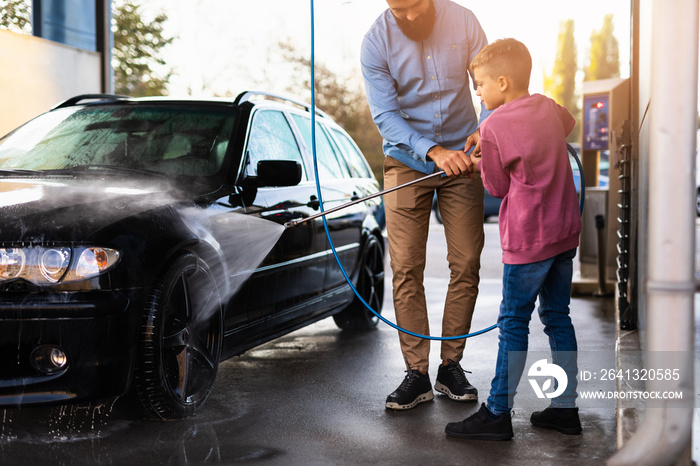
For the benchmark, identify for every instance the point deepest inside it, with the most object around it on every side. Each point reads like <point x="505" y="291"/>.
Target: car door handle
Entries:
<point x="313" y="203"/>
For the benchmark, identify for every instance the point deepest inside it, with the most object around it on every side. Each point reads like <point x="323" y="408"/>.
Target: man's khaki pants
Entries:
<point x="408" y="210"/>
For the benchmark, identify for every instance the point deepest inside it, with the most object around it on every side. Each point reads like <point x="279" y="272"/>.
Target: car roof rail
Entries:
<point x="79" y="98"/>
<point x="247" y="96"/>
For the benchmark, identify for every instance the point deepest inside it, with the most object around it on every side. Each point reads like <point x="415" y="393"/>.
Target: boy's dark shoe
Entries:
<point x="414" y="389"/>
<point x="482" y="425"/>
<point x="564" y="420"/>
<point x="452" y="382"/>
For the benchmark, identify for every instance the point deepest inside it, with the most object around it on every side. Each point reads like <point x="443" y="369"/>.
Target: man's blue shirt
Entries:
<point x="418" y="92"/>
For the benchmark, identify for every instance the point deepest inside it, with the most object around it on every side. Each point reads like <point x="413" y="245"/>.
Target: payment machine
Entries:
<point x="606" y="105"/>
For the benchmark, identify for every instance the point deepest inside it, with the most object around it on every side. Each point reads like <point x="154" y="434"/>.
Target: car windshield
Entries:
<point x="175" y="140"/>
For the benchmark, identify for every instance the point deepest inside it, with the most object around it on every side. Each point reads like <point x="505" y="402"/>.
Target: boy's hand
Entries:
<point x="475" y="161"/>
<point x="474" y="140"/>
<point x="453" y="162"/>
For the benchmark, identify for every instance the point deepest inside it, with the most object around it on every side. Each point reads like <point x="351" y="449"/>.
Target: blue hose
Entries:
<point x="582" y="183"/>
<point x="325" y="222"/>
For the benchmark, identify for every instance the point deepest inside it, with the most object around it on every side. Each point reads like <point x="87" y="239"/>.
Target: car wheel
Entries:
<point x="697" y="202"/>
<point x="370" y="286"/>
<point x="179" y="341"/>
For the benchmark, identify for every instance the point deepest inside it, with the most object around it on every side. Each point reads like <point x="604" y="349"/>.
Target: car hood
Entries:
<point x="40" y="210"/>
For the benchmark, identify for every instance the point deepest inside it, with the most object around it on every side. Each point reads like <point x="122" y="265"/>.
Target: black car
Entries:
<point x="143" y="241"/>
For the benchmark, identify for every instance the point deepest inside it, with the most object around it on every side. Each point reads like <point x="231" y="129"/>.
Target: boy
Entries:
<point x="524" y="161"/>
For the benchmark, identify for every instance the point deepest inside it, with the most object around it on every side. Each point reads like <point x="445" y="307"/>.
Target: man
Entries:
<point x="415" y="61"/>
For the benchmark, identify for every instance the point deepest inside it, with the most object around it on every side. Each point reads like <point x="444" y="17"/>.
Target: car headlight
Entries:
<point x="52" y="265"/>
<point x="12" y="262"/>
<point x="92" y="262"/>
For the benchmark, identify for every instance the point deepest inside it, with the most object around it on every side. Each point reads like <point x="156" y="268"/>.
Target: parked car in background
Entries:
<point x="575" y="168"/>
<point x="142" y="241"/>
<point x="491" y="206"/>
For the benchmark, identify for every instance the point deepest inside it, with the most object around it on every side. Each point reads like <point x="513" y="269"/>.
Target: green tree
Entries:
<point x="15" y="16"/>
<point x="343" y="99"/>
<point x="604" y="57"/>
<point x="560" y="85"/>
<point x="137" y="44"/>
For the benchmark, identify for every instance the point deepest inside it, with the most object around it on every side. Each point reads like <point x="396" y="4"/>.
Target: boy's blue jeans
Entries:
<point x="550" y="280"/>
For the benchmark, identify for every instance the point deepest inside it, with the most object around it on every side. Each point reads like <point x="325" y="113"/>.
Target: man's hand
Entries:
<point x="474" y="139"/>
<point x="453" y="162"/>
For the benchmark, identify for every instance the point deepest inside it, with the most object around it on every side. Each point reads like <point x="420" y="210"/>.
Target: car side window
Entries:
<point x="355" y="159"/>
<point x="271" y="138"/>
<point x="345" y="171"/>
<point x="328" y="165"/>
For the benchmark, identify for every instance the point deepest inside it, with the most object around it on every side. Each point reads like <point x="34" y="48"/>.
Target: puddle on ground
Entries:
<point x="68" y="423"/>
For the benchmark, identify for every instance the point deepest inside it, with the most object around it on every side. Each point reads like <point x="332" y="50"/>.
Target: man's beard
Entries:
<point x="421" y="28"/>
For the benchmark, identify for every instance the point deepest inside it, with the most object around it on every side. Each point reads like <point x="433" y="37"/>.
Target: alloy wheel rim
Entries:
<point x="191" y="339"/>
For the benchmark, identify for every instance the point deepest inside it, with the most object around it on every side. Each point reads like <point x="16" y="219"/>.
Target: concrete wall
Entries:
<point x="36" y="74"/>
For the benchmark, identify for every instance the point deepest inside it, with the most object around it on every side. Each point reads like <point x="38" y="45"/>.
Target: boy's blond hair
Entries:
<point x="506" y="57"/>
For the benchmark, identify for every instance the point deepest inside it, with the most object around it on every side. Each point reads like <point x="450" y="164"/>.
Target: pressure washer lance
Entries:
<point x="294" y="223"/>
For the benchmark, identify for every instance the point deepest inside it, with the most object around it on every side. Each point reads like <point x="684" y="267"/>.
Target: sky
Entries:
<point x="229" y="45"/>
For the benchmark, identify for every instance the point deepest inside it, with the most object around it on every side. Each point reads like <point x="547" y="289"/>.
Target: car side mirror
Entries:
<point x="278" y="173"/>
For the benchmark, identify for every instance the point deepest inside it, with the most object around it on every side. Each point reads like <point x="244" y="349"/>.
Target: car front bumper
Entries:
<point x="94" y="332"/>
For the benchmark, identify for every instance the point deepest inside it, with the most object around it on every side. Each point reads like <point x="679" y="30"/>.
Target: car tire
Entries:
<point x="697" y="202"/>
<point x="370" y="286"/>
<point x="179" y="341"/>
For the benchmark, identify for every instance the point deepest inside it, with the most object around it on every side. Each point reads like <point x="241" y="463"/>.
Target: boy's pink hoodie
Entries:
<point x="525" y="162"/>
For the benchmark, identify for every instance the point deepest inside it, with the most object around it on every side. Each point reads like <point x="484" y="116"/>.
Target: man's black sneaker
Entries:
<point x="452" y="382"/>
<point x="564" y="420"/>
<point x="414" y="389"/>
<point x="482" y="425"/>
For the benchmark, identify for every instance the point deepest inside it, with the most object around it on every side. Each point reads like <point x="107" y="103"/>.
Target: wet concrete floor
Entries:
<point x="316" y="397"/>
